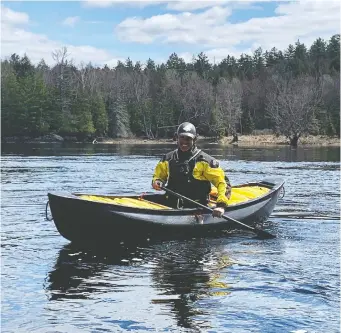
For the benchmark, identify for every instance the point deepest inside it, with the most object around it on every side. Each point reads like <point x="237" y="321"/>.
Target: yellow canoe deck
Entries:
<point x="238" y="195"/>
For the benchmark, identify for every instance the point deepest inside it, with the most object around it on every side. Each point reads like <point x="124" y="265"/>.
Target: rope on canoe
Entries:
<point x="49" y="219"/>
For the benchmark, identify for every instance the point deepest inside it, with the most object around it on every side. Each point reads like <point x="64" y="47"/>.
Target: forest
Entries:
<point x="291" y="92"/>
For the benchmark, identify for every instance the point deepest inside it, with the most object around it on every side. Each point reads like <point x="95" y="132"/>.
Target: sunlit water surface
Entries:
<point x="232" y="284"/>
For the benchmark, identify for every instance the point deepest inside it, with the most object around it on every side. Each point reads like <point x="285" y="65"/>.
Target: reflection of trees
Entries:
<point x="182" y="272"/>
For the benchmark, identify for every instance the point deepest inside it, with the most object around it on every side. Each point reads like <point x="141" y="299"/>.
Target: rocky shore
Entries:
<point x="243" y="140"/>
<point x="269" y="139"/>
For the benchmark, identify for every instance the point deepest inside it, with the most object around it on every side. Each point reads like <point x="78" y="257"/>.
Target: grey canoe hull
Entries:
<point x="81" y="220"/>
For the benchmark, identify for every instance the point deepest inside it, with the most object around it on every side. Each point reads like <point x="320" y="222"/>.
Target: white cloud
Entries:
<point x="16" y="39"/>
<point x="185" y="5"/>
<point x="109" y="3"/>
<point x="71" y="21"/>
<point x="194" y="5"/>
<point x="9" y="16"/>
<point x="187" y="56"/>
<point x="183" y="28"/>
<point x="211" y="30"/>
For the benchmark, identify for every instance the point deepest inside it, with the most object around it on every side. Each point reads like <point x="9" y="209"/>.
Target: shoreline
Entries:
<point x="262" y="140"/>
<point x="243" y="141"/>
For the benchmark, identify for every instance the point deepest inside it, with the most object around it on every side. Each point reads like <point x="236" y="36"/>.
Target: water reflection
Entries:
<point x="74" y="266"/>
<point x="188" y="272"/>
<point x="276" y="285"/>
<point x="263" y="153"/>
<point x="182" y="273"/>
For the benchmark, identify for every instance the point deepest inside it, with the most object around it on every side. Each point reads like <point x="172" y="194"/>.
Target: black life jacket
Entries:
<point x="181" y="178"/>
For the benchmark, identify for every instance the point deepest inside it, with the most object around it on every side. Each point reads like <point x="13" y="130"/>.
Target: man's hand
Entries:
<point x="157" y="184"/>
<point x="218" y="211"/>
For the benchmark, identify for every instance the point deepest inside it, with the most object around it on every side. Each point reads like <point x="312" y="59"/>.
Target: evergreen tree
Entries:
<point x="22" y="66"/>
<point x="245" y="67"/>
<point x="138" y="67"/>
<point x="318" y="57"/>
<point x="176" y="63"/>
<point x="300" y="63"/>
<point x="150" y="100"/>
<point x="150" y="65"/>
<point x="258" y="62"/>
<point x="99" y="115"/>
<point x="42" y="66"/>
<point x="81" y="119"/>
<point x="12" y="117"/>
<point x="333" y="50"/>
<point x="34" y="101"/>
<point x="289" y="56"/>
<point x="129" y="65"/>
<point x="202" y="65"/>
<point x="120" y="64"/>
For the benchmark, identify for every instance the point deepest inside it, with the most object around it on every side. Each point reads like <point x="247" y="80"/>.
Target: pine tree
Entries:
<point x="202" y="65"/>
<point x="12" y="117"/>
<point x="318" y="57"/>
<point x="81" y="123"/>
<point x="176" y="63"/>
<point x="99" y="115"/>
<point x="300" y="63"/>
<point x="258" y="62"/>
<point x="22" y="66"/>
<point x="34" y="97"/>
<point x="148" y="100"/>
<point x="150" y="65"/>
<point x="333" y="50"/>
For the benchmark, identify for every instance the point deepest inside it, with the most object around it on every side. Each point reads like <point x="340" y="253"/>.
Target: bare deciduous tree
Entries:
<point x="62" y="77"/>
<point x="197" y="98"/>
<point x="59" y="56"/>
<point x="292" y="105"/>
<point x="228" y="107"/>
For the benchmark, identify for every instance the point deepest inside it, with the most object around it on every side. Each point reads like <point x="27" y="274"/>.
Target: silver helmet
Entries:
<point x="187" y="129"/>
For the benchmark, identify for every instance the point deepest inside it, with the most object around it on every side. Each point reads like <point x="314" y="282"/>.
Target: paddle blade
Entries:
<point x="264" y="234"/>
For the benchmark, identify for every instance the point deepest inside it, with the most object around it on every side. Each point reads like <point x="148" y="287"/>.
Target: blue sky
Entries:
<point x="107" y="31"/>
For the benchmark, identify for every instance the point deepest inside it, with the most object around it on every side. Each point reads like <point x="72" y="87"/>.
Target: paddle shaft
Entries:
<point x="257" y="231"/>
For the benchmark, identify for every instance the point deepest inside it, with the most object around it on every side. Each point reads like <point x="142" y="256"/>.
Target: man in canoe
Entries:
<point x="190" y="172"/>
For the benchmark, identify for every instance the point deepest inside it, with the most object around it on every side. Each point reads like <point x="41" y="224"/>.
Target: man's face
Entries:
<point x="185" y="143"/>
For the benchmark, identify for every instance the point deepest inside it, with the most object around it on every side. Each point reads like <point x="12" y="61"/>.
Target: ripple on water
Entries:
<point x="234" y="284"/>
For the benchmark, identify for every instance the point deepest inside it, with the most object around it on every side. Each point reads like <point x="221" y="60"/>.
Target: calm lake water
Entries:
<point x="232" y="284"/>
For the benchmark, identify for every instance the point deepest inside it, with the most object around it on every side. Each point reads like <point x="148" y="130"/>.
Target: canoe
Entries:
<point x="85" y="217"/>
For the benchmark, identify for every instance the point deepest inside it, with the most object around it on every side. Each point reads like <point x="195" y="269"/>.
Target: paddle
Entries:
<point x="261" y="233"/>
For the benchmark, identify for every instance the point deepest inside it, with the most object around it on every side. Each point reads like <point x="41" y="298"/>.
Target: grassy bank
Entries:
<point x="243" y="141"/>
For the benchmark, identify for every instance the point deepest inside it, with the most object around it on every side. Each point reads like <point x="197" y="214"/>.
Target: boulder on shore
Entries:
<point x="48" y="138"/>
<point x="53" y="138"/>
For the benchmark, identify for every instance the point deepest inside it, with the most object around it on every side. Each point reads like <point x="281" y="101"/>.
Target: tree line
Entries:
<point x="291" y="92"/>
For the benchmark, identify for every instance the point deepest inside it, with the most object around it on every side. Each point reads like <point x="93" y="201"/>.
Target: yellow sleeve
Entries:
<point x="202" y="171"/>
<point x="161" y="171"/>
